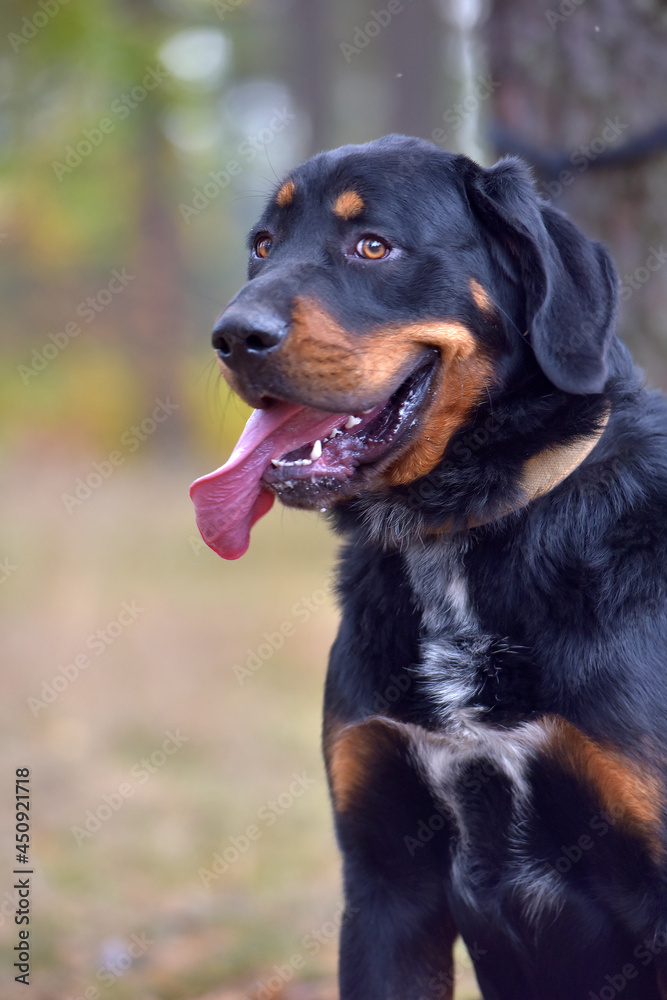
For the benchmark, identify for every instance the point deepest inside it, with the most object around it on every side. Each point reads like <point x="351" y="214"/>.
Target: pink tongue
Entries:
<point x="230" y="500"/>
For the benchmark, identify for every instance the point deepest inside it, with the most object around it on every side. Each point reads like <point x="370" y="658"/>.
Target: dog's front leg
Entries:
<point x="397" y="935"/>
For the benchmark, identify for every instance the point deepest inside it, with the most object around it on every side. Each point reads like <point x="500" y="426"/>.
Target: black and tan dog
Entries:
<point x="431" y="353"/>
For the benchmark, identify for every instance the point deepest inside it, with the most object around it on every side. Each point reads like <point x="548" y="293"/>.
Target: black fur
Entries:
<point x="461" y="823"/>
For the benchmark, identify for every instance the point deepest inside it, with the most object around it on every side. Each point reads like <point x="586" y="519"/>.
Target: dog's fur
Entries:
<point x="496" y="704"/>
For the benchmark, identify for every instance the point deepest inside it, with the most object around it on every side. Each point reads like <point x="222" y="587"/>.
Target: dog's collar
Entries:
<point x="548" y="468"/>
<point x="544" y="471"/>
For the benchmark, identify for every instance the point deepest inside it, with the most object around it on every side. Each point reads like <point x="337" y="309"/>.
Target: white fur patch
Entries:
<point x="506" y="752"/>
<point x="453" y="648"/>
<point x="452" y="641"/>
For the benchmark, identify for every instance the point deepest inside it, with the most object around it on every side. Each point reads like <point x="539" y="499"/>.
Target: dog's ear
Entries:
<point x="569" y="281"/>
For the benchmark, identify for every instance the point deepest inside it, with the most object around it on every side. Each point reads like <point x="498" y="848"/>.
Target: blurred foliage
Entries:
<point x="90" y="181"/>
<point x="98" y="172"/>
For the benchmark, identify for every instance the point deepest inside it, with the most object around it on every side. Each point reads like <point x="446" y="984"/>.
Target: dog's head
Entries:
<point x="393" y="289"/>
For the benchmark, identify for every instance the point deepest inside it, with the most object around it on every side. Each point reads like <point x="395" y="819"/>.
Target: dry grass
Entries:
<point x="170" y="670"/>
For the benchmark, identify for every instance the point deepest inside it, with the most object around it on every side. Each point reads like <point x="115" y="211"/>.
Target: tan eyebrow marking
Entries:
<point x="285" y="195"/>
<point x="482" y="298"/>
<point x="347" y="205"/>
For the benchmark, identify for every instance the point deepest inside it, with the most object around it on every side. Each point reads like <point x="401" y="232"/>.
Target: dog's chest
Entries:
<point x="439" y="582"/>
<point x="477" y="769"/>
<point x="461" y="666"/>
<point x="451" y="640"/>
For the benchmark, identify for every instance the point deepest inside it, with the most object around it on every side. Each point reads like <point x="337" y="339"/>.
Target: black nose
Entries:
<point x="242" y="338"/>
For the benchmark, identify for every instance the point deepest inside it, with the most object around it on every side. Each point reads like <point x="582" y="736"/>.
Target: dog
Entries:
<point x="430" y="353"/>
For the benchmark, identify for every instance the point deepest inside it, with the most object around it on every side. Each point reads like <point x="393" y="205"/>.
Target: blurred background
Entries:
<point x="167" y="703"/>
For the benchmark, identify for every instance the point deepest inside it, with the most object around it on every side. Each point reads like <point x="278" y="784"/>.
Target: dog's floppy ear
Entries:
<point x="569" y="281"/>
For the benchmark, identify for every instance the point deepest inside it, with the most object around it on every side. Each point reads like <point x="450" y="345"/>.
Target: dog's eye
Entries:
<point x="372" y="248"/>
<point x="263" y="246"/>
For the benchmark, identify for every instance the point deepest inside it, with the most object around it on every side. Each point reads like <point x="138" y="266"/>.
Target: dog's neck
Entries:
<point x="540" y="474"/>
<point x="548" y="468"/>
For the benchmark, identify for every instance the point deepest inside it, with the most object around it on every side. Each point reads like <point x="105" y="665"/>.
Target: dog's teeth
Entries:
<point x="317" y="450"/>
<point x="298" y="461"/>
<point x="352" y="422"/>
<point x="336" y="432"/>
<point x="368" y="410"/>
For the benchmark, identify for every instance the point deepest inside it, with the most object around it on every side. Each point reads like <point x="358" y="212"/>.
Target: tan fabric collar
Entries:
<point x="547" y="469"/>
<point x="550" y="467"/>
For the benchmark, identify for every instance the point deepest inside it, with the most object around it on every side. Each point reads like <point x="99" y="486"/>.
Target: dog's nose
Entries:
<point x="242" y="338"/>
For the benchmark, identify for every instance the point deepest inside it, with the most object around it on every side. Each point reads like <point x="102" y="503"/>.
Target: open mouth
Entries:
<point x="358" y="447"/>
<point x="309" y="458"/>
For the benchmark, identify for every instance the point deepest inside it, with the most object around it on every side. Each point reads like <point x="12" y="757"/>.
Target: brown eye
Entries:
<point x="372" y="248"/>
<point x="263" y="246"/>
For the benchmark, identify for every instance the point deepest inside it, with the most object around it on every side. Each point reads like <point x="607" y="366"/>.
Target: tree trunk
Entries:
<point x="578" y="81"/>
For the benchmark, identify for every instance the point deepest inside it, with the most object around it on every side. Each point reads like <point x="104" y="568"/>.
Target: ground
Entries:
<point x="167" y="705"/>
